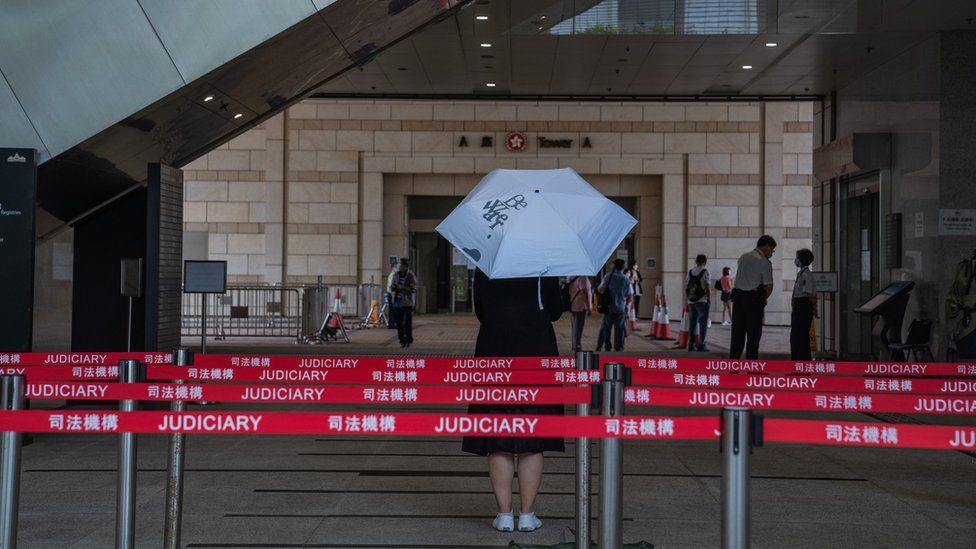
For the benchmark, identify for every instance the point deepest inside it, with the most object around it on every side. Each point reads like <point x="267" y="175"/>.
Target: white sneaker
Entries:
<point x="726" y="323"/>
<point x="528" y="522"/>
<point x="504" y="522"/>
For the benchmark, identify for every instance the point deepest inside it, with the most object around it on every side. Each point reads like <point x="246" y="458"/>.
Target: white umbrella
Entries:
<point x="524" y="223"/>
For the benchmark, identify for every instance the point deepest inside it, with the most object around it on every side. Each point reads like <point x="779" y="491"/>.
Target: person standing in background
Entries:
<point x="697" y="291"/>
<point x="753" y="286"/>
<point x="391" y="310"/>
<point x="579" y="297"/>
<point x="725" y="287"/>
<point x="618" y="291"/>
<point x="404" y="286"/>
<point x="804" y="307"/>
<point x="633" y="274"/>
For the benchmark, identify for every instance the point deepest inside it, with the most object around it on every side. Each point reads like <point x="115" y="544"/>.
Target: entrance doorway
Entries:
<point x="444" y="280"/>
<point x="860" y="218"/>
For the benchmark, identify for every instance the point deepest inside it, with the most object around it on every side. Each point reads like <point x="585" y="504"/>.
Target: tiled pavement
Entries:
<point x="305" y="491"/>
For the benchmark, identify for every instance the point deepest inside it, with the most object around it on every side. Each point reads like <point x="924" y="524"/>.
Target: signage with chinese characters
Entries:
<point x="824" y="282"/>
<point x="957" y="222"/>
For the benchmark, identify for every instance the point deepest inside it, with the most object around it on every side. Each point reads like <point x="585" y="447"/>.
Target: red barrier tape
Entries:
<point x="807" y="383"/>
<point x="344" y="394"/>
<point x="290" y="375"/>
<point x="841" y="433"/>
<point x="379" y="363"/>
<point x="719" y="366"/>
<point x="825" y="402"/>
<point x="81" y="359"/>
<point x="358" y="423"/>
<point x="422" y="377"/>
<point x="847" y="433"/>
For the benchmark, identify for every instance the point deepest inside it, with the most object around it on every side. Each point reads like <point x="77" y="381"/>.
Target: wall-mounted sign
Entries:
<point x="919" y="224"/>
<point x="546" y="143"/>
<point x="651" y="263"/>
<point x="515" y="142"/>
<point x="957" y="222"/>
<point x="825" y="282"/>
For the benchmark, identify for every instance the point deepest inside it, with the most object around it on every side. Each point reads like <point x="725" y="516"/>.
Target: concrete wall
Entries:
<point x="320" y="189"/>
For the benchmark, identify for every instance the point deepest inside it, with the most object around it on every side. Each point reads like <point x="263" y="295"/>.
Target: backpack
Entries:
<point x="603" y="302"/>
<point x="694" y="289"/>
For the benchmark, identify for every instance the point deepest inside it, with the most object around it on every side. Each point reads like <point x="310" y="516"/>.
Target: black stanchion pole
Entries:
<point x="174" y="469"/>
<point x="11" y="398"/>
<point x="130" y="371"/>
<point x="585" y="361"/>
<point x="611" y="460"/>
<point x="736" y="446"/>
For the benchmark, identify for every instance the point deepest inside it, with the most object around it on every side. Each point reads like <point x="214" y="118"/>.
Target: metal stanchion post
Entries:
<point x="736" y="444"/>
<point x="11" y="398"/>
<point x="611" y="461"/>
<point x="130" y="371"/>
<point x="584" y="362"/>
<point x="174" y="469"/>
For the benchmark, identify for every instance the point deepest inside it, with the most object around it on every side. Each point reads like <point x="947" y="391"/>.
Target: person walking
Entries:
<point x="725" y="287"/>
<point x="404" y="287"/>
<point x="753" y="286"/>
<point x="516" y="316"/>
<point x="579" y="298"/>
<point x="390" y="309"/>
<point x="618" y="290"/>
<point x="698" y="304"/>
<point x="804" y="307"/>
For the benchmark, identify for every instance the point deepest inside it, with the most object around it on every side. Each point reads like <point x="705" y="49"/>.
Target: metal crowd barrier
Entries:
<point x="275" y="311"/>
<point x="739" y="432"/>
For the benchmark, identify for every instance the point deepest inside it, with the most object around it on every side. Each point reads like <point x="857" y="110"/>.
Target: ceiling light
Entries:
<point x="771" y="44"/>
<point x="747" y="67"/>
<point x="481" y="17"/>
<point x="542" y="17"/>
<point x="238" y="115"/>
<point x="490" y="84"/>
<point x="485" y="45"/>
<point x="208" y="98"/>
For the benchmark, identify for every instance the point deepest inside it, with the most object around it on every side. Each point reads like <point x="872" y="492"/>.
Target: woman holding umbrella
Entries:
<point x="514" y="324"/>
<point x="524" y="228"/>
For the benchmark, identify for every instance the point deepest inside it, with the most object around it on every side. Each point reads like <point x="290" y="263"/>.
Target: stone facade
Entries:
<point x="321" y="189"/>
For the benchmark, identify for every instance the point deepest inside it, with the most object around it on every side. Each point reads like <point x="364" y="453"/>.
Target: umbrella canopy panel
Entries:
<point x="521" y="223"/>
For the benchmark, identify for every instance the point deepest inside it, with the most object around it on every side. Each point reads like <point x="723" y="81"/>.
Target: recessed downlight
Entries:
<point x="747" y="67"/>
<point x="238" y="115"/>
<point x="208" y="98"/>
<point x="481" y="17"/>
<point x="771" y="44"/>
<point x="490" y="84"/>
<point x="486" y="44"/>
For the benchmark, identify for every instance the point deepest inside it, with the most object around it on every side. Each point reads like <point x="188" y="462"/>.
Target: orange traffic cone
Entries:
<point x="664" y="328"/>
<point x="683" y="333"/>
<point x="336" y="310"/>
<point x="655" y="315"/>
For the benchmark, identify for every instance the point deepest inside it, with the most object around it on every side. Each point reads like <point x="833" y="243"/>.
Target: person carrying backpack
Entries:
<point x="615" y="291"/>
<point x="696" y="290"/>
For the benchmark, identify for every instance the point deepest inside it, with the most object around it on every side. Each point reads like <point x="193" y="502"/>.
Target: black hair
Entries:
<point x="701" y="259"/>
<point x="618" y="264"/>
<point x="766" y="240"/>
<point x="805" y="256"/>
<point x="726" y="270"/>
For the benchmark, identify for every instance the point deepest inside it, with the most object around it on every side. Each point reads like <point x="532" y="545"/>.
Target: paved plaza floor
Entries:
<point x="307" y="491"/>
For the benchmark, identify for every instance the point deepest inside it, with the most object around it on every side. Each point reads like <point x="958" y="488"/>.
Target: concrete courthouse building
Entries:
<point x="359" y="181"/>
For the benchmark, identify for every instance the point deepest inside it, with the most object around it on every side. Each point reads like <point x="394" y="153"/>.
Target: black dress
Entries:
<point x="513" y="325"/>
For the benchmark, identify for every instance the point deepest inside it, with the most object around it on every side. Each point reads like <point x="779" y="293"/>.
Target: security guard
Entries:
<point x="753" y="286"/>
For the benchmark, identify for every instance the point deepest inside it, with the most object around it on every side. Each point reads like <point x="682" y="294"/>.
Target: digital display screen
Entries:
<point x="204" y="277"/>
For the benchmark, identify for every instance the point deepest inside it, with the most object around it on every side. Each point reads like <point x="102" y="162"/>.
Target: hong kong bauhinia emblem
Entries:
<point x="515" y="142"/>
